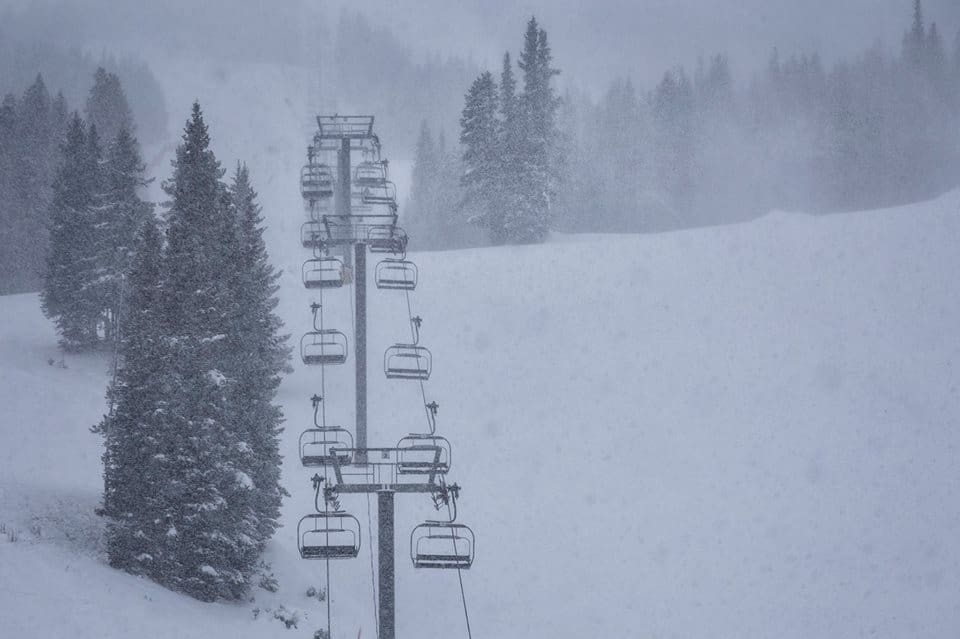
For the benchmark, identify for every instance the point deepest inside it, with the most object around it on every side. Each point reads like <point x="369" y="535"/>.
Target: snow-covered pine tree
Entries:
<point x="530" y="222"/>
<point x="262" y="354"/>
<point x="107" y="107"/>
<point x="37" y="157"/>
<point x="454" y="231"/>
<point x="123" y="212"/>
<point x="214" y="541"/>
<point x="8" y="235"/>
<point x="137" y="460"/>
<point x="418" y="212"/>
<point x="479" y="136"/>
<point x="509" y="176"/>
<point x="70" y="275"/>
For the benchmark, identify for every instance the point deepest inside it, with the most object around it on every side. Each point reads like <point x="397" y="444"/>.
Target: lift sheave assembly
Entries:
<point x="352" y="211"/>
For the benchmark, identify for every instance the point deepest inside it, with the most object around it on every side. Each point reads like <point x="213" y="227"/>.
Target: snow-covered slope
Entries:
<point x="747" y="431"/>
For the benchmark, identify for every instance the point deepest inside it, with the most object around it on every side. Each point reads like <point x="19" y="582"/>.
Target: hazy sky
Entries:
<point x="604" y="38"/>
<point x="593" y="40"/>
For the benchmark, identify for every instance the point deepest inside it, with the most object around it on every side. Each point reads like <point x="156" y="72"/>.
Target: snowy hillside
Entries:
<point x="746" y="431"/>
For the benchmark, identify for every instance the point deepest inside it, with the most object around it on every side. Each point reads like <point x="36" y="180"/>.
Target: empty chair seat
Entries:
<point x="436" y="544"/>
<point x="385" y="193"/>
<point x="396" y="274"/>
<point x="370" y="174"/>
<point x="316" y="182"/>
<point x="407" y="361"/>
<point x="325" y="446"/>
<point x="323" y="272"/>
<point x="328" y="535"/>
<point x="326" y="346"/>
<point x="385" y="238"/>
<point x="423" y="454"/>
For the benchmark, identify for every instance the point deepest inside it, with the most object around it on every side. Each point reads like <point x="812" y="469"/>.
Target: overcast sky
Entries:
<point x="604" y="38"/>
<point x="593" y="40"/>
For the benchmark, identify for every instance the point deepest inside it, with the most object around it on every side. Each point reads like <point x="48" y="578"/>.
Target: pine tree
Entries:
<point x="914" y="40"/>
<point x="419" y="214"/>
<point x="8" y="205"/>
<point x="210" y="507"/>
<point x="137" y="457"/>
<point x="107" y="107"/>
<point x="935" y="57"/>
<point x="262" y="355"/>
<point x="33" y="172"/>
<point x="538" y="165"/>
<point x="510" y="184"/>
<point x="67" y="295"/>
<point x="123" y="212"/>
<point x="479" y="136"/>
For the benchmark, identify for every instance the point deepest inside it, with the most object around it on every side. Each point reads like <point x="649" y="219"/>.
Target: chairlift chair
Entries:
<point x="370" y="174"/>
<point x="327" y="346"/>
<point x="323" y="272"/>
<point x="325" y="447"/>
<point x="407" y="361"/>
<point x="328" y="535"/>
<point x="423" y="454"/>
<point x="397" y="274"/>
<point x="387" y="238"/>
<point x="385" y="193"/>
<point x="440" y="544"/>
<point x="316" y="182"/>
<point x="312" y="233"/>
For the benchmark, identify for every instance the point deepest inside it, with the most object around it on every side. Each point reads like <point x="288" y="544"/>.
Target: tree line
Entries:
<point x="698" y="148"/>
<point x="510" y="158"/>
<point x="33" y="134"/>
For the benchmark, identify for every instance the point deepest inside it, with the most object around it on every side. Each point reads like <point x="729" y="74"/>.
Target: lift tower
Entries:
<point x="353" y="208"/>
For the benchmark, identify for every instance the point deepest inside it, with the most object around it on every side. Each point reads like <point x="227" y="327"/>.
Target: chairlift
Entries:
<point x="423" y="454"/>
<point x="323" y="272"/>
<point x="407" y="361"/>
<point x="329" y="535"/>
<point x="325" y="446"/>
<point x="370" y="174"/>
<point x="316" y="182"/>
<point x="384" y="193"/>
<point x="312" y="233"/>
<point x="397" y="274"/>
<point x="387" y="238"/>
<point x="440" y="544"/>
<point x="327" y="346"/>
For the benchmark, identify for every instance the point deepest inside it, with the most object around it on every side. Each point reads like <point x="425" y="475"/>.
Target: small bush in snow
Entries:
<point x="290" y="618"/>
<point x="269" y="583"/>
<point x="321" y="634"/>
<point x="319" y="593"/>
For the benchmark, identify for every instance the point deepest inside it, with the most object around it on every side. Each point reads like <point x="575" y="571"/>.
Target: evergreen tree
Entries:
<point x="71" y="269"/>
<point x="33" y="170"/>
<point x="479" y="136"/>
<point x="261" y="356"/>
<point x="137" y="459"/>
<point x="208" y="504"/>
<point x="107" y="107"/>
<point x="510" y="184"/>
<point x="59" y="117"/>
<point x="538" y="166"/>
<point x="419" y="213"/>
<point x="122" y="214"/>
<point x="8" y="231"/>
<point x="914" y="41"/>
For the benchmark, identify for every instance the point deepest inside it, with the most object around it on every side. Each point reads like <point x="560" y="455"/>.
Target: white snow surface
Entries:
<point x="742" y="431"/>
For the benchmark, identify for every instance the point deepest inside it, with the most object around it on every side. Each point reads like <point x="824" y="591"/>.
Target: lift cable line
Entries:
<point x="352" y="210"/>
